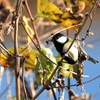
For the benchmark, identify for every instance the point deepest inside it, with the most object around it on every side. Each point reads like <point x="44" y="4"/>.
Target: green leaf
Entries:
<point x="68" y="69"/>
<point x="44" y="65"/>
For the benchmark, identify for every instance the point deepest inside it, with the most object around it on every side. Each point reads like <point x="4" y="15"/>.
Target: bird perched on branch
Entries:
<point x="62" y="43"/>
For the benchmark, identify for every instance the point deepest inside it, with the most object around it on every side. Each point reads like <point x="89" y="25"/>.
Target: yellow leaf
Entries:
<point x="27" y="28"/>
<point x="45" y="65"/>
<point x="50" y="11"/>
<point x="46" y="9"/>
<point x="30" y="58"/>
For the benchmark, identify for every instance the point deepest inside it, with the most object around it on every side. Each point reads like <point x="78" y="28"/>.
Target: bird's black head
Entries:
<point x="59" y="38"/>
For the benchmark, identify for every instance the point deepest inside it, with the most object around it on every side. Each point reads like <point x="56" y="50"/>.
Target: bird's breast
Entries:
<point x="73" y="51"/>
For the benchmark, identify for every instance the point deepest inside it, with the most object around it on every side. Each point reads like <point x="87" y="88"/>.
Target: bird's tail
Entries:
<point x="93" y="60"/>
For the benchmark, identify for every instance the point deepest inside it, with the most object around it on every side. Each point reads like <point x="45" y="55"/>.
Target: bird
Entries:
<point x="62" y="43"/>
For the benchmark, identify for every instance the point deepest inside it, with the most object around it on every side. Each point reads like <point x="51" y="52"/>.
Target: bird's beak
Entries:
<point x="50" y="39"/>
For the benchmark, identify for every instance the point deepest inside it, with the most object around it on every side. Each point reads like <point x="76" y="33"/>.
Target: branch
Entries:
<point x="5" y="50"/>
<point x="16" y="53"/>
<point x="56" y="86"/>
<point x="31" y="17"/>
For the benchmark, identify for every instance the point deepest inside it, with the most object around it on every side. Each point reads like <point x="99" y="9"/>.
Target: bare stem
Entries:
<point x="31" y="17"/>
<point x="5" y="50"/>
<point x="17" y="61"/>
<point x="16" y="53"/>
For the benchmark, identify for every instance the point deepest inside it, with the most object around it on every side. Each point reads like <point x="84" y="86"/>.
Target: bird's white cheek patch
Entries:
<point x="62" y="39"/>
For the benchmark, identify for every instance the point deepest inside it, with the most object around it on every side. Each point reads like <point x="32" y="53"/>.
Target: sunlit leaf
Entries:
<point x="50" y="11"/>
<point x="69" y="70"/>
<point x="47" y="9"/>
<point x="27" y="28"/>
<point x="30" y="57"/>
<point x="44" y="67"/>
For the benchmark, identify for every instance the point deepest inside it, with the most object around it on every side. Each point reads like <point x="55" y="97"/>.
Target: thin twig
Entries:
<point x="53" y="92"/>
<point x="2" y="47"/>
<point x="28" y="90"/>
<point x="8" y="86"/>
<point x="91" y="79"/>
<point x="23" y="72"/>
<point x="31" y="17"/>
<point x="87" y="81"/>
<point x="57" y="30"/>
<point x="69" y="88"/>
<point x="76" y="84"/>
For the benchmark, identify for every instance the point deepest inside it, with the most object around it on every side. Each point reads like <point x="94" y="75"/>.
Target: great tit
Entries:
<point x="62" y="43"/>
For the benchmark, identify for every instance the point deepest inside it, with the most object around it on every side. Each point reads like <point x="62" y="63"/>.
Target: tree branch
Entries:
<point x="16" y="53"/>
